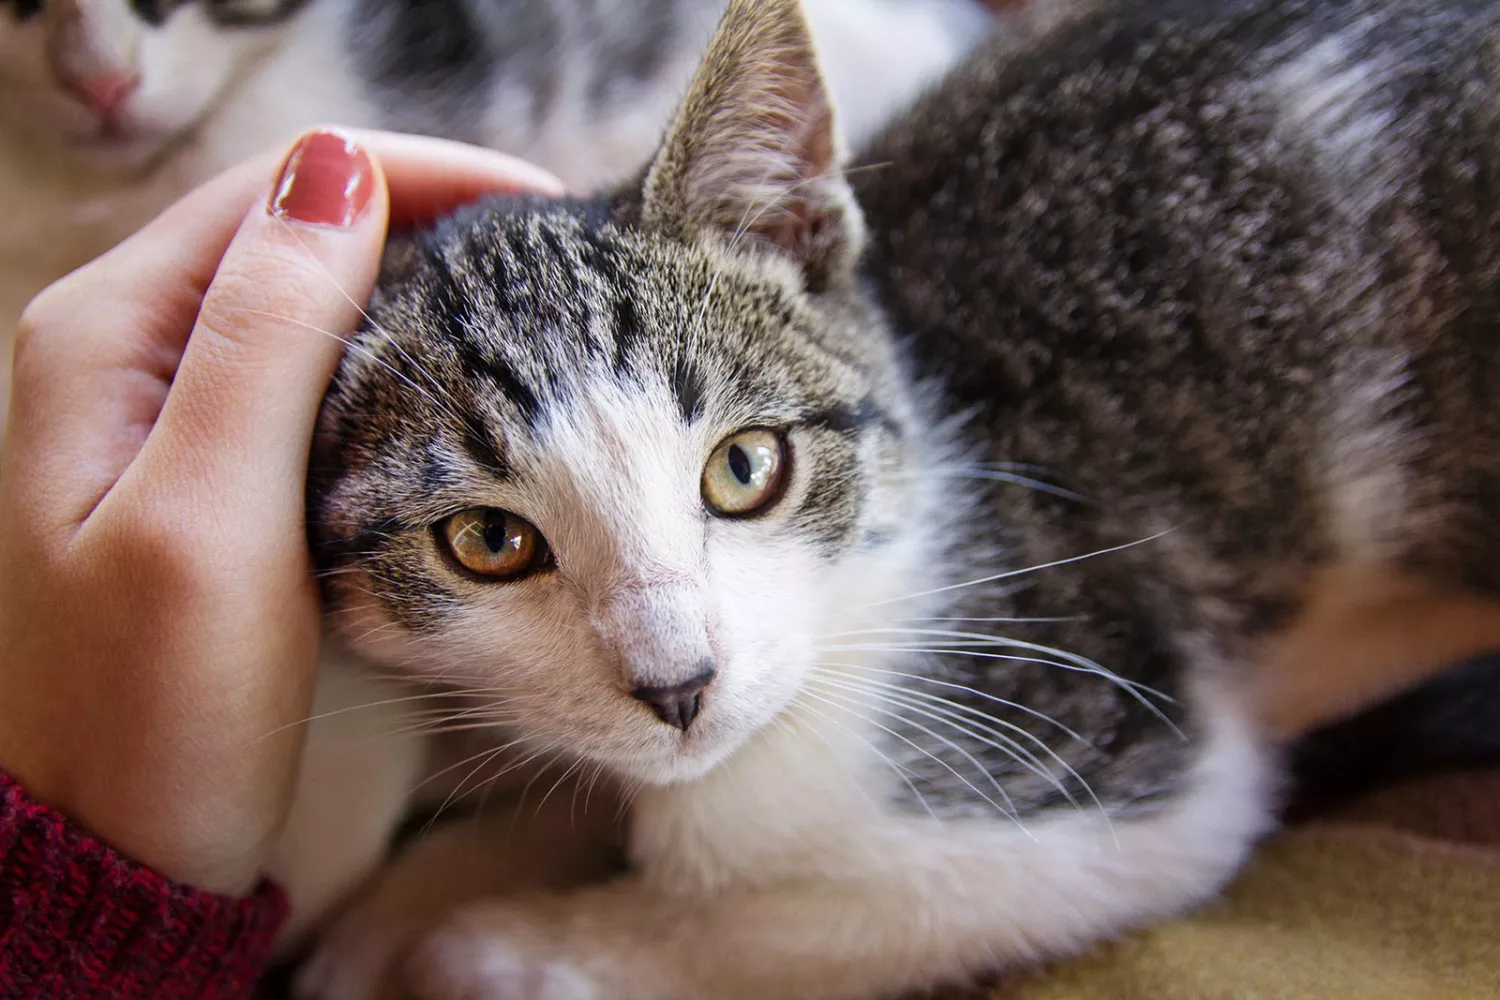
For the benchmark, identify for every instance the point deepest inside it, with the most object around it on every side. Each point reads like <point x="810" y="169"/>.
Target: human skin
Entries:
<point x="159" y="622"/>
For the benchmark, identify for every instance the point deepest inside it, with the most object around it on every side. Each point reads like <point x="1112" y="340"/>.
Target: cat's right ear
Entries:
<point x="753" y="154"/>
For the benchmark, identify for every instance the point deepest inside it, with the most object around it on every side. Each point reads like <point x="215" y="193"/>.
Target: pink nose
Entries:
<point x="104" y="93"/>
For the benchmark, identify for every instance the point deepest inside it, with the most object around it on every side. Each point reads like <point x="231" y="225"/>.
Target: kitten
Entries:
<point x="111" y="109"/>
<point x="918" y="551"/>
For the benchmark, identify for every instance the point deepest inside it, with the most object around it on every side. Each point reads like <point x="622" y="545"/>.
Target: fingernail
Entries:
<point x="326" y="180"/>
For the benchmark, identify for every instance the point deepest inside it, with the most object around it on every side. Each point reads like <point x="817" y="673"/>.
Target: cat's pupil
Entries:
<point x="496" y="538"/>
<point x="739" y="464"/>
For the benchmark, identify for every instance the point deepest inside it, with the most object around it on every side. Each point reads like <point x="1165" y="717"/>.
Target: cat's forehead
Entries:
<point x="553" y="363"/>
<point x="524" y="316"/>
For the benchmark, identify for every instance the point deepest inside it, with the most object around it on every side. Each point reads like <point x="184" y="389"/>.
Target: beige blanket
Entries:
<point x="1396" y="897"/>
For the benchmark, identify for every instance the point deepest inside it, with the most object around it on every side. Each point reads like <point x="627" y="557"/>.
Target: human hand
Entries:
<point x="159" y="623"/>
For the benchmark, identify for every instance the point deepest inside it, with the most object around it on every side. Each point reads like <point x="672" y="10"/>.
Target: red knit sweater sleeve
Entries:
<point x="80" y="922"/>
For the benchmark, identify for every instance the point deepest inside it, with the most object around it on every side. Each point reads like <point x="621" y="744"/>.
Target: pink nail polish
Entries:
<point x="327" y="180"/>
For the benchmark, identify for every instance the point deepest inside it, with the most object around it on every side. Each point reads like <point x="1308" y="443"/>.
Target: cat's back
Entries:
<point x="1225" y="269"/>
<point x="1161" y="158"/>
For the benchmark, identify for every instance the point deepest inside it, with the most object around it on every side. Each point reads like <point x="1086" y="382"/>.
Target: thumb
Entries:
<point x="242" y="406"/>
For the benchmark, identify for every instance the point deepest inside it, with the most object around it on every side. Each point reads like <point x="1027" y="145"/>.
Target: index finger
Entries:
<point x="99" y="349"/>
<point x="175" y="255"/>
<point x="431" y="177"/>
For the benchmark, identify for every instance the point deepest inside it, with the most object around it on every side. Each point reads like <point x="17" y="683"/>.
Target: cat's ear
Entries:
<point x="753" y="153"/>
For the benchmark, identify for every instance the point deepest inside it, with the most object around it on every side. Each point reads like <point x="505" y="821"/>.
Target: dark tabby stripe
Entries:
<point x="156" y="12"/>
<point x="252" y="12"/>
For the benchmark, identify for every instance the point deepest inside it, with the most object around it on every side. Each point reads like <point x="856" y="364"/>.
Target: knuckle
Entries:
<point x="43" y="318"/>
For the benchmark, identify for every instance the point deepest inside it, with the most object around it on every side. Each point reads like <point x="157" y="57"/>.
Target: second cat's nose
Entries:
<point x="103" y="93"/>
<point x="676" y="704"/>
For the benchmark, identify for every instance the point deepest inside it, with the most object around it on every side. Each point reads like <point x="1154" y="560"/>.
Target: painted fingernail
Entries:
<point x="327" y="180"/>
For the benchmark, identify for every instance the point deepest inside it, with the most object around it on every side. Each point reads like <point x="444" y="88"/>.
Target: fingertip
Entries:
<point x="328" y="179"/>
<point x="430" y="177"/>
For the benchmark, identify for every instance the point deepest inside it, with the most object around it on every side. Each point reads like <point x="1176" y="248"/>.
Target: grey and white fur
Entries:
<point x="1134" y="380"/>
<point x="111" y="109"/>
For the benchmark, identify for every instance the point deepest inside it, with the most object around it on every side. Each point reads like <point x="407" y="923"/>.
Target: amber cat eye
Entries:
<point x="493" y="543"/>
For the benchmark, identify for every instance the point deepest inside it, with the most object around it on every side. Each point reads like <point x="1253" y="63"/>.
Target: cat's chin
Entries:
<point x="686" y="761"/>
<point x="117" y="153"/>
<point x="120" y="152"/>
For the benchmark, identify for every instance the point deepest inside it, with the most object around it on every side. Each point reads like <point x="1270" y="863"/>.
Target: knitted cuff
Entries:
<point x="80" y="922"/>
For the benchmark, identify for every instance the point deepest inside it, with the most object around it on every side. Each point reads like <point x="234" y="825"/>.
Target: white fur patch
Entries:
<point x="813" y="897"/>
<point x="1366" y="451"/>
<point x="913" y="42"/>
<point x="1333" y="101"/>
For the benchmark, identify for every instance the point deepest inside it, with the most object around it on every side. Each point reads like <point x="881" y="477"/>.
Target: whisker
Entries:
<point x="997" y="476"/>
<point x="1012" y="573"/>
<point x="1012" y="748"/>
<point x="949" y="618"/>
<point x="441" y="727"/>
<point x="1014" y="817"/>
<point x="957" y="710"/>
<point x="901" y="771"/>
<point x="363" y="352"/>
<point x="983" y="695"/>
<point x="1081" y="664"/>
<point x="453" y="795"/>
<point x="368" y="319"/>
<point x="576" y="765"/>
<point x="344" y="711"/>
<point x="973" y="761"/>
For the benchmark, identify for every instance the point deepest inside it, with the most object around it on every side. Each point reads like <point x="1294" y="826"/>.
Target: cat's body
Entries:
<point x="1227" y="275"/>
<point x="111" y="109"/>
<point x="1161" y="392"/>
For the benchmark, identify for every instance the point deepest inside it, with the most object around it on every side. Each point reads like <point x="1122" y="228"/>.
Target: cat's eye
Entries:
<point x="494" y="544"/>
<point x="745" y="473"/>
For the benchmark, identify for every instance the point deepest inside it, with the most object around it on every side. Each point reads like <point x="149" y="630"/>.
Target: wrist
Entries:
<point x="208" y="842"/>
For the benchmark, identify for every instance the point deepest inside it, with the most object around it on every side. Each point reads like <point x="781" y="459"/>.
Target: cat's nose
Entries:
<point x="676" y="704"/>
<point x="103" y="93"/>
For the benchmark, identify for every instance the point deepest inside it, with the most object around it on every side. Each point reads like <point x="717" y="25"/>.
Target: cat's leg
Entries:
<point x="556" y="844"/>
<point x="874" y="907"/>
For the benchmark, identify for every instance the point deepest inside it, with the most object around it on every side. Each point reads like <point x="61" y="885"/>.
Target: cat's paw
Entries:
<point x="496" y="951"/>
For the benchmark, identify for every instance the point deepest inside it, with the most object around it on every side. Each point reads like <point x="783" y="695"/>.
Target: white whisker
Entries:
<point x="901" y="771"/>
<point x="827" y="699"/>
<point x="1011" y="573"/>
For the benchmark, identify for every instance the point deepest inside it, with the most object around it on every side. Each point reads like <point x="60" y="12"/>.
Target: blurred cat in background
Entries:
<point x="110" y="109"/>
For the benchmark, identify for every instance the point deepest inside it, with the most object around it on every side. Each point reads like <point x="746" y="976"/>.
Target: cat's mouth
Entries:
<point x="124" y="136"/>
<point x="116" y="134"/>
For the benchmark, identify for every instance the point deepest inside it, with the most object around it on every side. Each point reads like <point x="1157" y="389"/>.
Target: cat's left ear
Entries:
<point x="753" y="153"/>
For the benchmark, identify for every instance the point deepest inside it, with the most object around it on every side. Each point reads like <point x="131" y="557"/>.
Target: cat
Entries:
<point x="762" y="449"/>
<point x="915" y="551"/>
<point x="111" y="109"/>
